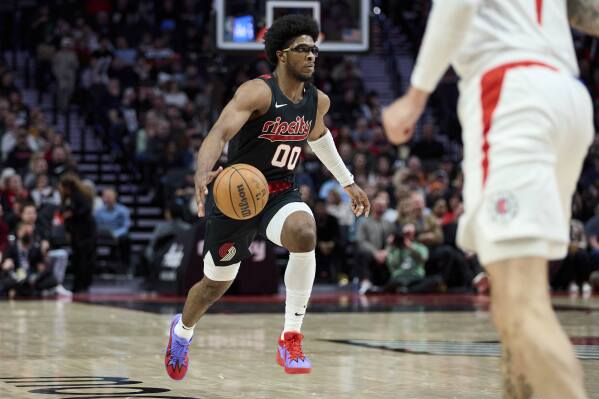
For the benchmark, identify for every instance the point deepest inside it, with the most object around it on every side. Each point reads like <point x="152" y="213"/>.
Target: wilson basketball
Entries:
<point x="240" y="191"/>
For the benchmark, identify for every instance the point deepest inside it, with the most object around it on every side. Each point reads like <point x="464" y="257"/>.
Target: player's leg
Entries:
<point x="517" y="221"/>
<point x="205" y="293"/>
<point x="216" y="281"/>
<point x="292" y="226"/>
<point x="538" y="356"/>
<point x="226" y="244"/>
<point x="298" y="236"/>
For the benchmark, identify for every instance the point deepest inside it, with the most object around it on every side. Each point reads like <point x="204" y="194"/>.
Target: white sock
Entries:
<point x="299" y="278"/>
<point x="182" y="331"/>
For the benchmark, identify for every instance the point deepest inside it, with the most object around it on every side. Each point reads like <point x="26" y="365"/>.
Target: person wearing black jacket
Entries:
<point x="23" y="268"/>
<point x="77" y="211"/>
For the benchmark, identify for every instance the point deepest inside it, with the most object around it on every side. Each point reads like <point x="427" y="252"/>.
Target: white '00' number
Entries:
<point x="286" y="156"/>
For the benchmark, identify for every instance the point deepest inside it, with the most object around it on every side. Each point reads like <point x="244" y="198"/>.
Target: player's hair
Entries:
<point x="283" y="30"/>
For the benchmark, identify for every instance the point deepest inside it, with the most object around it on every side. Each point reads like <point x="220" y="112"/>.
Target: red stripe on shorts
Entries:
<point x="491" y="83"/>
<point x="540" y="11"/>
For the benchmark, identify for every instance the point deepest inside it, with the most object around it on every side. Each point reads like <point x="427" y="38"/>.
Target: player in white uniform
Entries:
<point x="527" y="125"/>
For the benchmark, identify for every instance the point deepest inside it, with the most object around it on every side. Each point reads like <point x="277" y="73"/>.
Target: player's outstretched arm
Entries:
<point x="584" y="15"/>
<point x="252" y="97"/>
<point x="321" y="142"/>
<point x="446" y="28"/>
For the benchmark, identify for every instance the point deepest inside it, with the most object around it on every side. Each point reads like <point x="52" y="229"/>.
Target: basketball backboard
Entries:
<point x="344" y="24"/>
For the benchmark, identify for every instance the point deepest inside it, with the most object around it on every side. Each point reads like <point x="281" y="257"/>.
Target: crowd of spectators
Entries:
<point x="33" y="158"/>
<point x="149" y="81"/>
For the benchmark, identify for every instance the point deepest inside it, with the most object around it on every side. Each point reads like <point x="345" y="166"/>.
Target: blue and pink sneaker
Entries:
<point x="290" y="355"/>
<point x="176" y="361"/>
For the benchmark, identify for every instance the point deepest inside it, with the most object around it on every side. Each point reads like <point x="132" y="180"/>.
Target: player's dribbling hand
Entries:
<point x="359" y="200"/>
<point x="202" y="180"/>
<point x="401" y="116"/>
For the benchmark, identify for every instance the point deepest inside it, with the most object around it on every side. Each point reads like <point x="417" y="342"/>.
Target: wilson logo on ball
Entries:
<point x="244" y="207"/>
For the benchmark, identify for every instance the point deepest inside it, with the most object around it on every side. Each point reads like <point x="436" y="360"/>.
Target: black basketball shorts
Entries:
<point x="228" y="240"/>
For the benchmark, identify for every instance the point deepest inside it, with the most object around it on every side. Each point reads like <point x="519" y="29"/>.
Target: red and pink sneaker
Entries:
<point x="290" y="355"/>
<point x="176" y="360"/>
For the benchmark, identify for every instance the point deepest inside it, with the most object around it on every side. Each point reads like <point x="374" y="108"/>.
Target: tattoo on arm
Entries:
<point x="584" y="15"/>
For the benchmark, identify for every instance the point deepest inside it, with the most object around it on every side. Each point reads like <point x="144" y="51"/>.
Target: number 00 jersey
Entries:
<point x="273" y="142"/>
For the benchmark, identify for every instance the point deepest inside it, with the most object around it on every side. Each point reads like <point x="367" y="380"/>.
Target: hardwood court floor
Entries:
<point x="53" y="349"/>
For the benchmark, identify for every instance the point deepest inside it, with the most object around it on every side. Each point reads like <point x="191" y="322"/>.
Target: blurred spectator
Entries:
<point x="65" y="65"/>
<point x="114" y="218"/>
<point x="405" y="260"/>
<point x="9" y="138"/>
<point x="174" y="96"/>
<point x="3" y="232"/>
<point x="12" y="192"/>
<point x="341" y="210"/>
<point x="98" y="202"/>
<point x="428" y="148"/>
<point x="77" y="202"/>
<point x="56" y="259"/>
<point x="37" y="166"/>
<point x="390" y="215"/>
<point x="328" y="254"/>
<point x="428" y="230"/>
<point x="23" y="266"/>
<point x="573" y="272"/>
<point x="591" y="229"/>
<point x="20" y="155"/>
<point x="306" y="195"/>
<point x="371" y="239"/>
<point x="332" y="184"/>
<point x="44" y="193"/>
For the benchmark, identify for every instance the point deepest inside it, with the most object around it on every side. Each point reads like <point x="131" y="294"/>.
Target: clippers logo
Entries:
<point x="286" y="131"/>
<point x="226" y="252"/>
<point x="503" y="207"/>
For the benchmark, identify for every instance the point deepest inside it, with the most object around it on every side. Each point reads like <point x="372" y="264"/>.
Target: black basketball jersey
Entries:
<point x="273" y="142"/>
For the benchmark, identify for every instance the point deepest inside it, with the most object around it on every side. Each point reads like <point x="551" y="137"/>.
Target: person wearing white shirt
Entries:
<point x="527" y="124"/>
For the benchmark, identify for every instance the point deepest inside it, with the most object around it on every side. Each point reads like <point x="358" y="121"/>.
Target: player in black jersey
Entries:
<point x="266" y="124"/>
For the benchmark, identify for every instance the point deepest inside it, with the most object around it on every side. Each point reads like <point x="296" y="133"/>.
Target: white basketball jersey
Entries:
<point x="504" y="31"/>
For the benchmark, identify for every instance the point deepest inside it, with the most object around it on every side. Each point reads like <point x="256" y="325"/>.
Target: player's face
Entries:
<point x="301" y="58"/>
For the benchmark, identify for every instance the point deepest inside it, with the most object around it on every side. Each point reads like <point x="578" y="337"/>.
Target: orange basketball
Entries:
<point x="240" y="191"/>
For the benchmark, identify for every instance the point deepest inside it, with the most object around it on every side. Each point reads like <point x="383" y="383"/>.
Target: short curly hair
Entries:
<point x="285" y="29"/>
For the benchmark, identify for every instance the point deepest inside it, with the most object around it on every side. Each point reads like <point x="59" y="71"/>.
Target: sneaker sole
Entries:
<point x="291" y="370"/>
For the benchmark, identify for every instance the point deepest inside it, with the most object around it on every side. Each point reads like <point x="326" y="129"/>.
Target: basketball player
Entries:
<point x="527" y="125"/>
<point x="266" y="123"/>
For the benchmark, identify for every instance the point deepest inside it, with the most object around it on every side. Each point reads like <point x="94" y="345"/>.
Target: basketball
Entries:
<point x="240" y="191"/>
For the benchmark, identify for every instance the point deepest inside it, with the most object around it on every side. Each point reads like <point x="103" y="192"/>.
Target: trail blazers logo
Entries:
<point x="226" y="252"/>
<point x="277" y="130"/>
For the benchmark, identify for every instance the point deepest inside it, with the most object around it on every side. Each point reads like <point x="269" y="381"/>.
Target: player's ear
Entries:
<point x="281" y="56"/>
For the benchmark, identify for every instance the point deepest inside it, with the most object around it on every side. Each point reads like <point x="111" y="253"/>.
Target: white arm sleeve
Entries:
<point x="325" y="150"/>
<point x="446" y="28"/>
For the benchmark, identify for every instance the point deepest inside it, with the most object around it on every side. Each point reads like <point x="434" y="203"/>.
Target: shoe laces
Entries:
<point x="293" y="344"/>
<point x="179" y="349"/>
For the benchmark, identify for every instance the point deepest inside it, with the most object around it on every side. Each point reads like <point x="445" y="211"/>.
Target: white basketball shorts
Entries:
<point x="526" y="130"/>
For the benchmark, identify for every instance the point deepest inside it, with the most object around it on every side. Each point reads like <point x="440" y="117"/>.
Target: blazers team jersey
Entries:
<point x="273" y="142"/>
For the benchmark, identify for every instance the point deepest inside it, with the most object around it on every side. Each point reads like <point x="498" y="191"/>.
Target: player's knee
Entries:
<point x="303" y="237"/>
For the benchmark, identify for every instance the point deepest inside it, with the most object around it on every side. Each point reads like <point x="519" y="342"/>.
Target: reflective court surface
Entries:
<point x="388" y="347"/>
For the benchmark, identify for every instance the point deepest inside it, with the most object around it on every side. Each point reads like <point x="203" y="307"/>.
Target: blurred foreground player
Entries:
<point x="268" y="121"/>
<point x="527" y="125"/>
